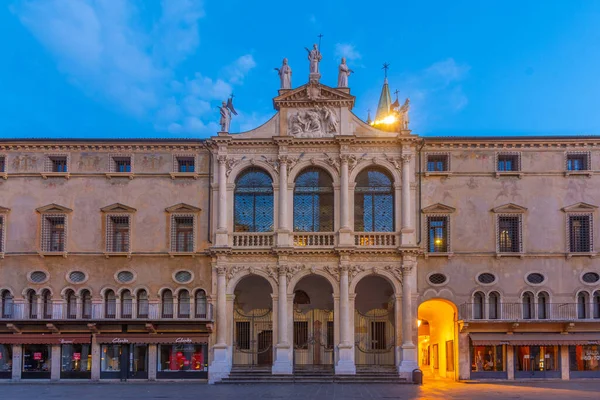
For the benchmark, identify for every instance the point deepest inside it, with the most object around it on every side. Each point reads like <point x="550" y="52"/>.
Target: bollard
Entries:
<point x="417" y="376"/>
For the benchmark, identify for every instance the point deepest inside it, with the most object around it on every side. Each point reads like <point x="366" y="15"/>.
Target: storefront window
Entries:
<point x="76" y="358"/>
<point x="187" y="358"/>
<point x="36" y="358"/>
<point x="5" y="358"/>
<point x="537" y="358"/>
<point x="584" y="358"/>
<point x="488" y="358"/>
<point x="138" y="359"/>
<point x="111" y="358"/>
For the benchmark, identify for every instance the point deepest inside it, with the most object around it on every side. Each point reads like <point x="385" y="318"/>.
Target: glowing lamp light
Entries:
<point x="438" y="241"/>
<point x="418" y="323"/>
<point x="389" y="120"/>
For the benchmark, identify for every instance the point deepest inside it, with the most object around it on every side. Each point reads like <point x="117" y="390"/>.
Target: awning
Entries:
<point x="49" y="338"/>
<point x="541" y="339"/>
<point x="164" y="338"/>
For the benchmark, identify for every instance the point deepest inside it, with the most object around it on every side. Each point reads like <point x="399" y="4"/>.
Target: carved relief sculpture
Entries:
<point x="313" y="123"/>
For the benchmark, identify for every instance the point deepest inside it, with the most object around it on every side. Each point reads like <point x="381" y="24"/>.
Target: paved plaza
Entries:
<point x="184" y="391"/>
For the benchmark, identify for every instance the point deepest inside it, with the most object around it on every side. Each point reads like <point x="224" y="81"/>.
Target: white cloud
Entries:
<point x="103" y="48"/>
<point x="347" y="50"/>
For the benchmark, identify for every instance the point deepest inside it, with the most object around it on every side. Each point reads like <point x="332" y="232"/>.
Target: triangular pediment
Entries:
<point x="53" y="208"/>
<point x="311" y="95"/>
<point x="118" y="208"/>
<point x="438" y="208"/>
<point x="182" y="208"/>
<point x="580" y="207"/>
<point x="509" y="208"/>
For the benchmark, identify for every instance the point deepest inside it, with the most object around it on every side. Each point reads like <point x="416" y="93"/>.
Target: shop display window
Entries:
<point x="5" y="358"/>
<point x="36" y="358"/>
<point x="537" y="358"/>
<point x="488" y="358"/>
<point x="76" y="358"/>
<point x="110" y="358"/>
<point x="584" y="358"/>
<point x="138" y="359"/>
<point x="186" y="358"/>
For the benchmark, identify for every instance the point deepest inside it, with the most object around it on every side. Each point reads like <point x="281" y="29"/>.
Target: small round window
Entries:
<point x="125" y="276"/>
<point x="535" y="278"/>
<point x="38" y="276"/>
<point x="590" y="277"/>
<point x="437" y="279"/>
<point x="183" y="276"/>
<point x="77" y="276"/>
<point x="486" y="278"/>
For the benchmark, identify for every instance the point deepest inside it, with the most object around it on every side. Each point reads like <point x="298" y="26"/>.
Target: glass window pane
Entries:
<point x="36" y="358"/>
<point x="110" y="360"/>
<point x="188" y="357"/>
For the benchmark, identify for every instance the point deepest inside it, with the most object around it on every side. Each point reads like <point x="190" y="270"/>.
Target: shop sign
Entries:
<point x="183" y="340"/>
<point x="591" y="355"/>
<point x="76" y="356"/>
<point x="37" y="356"/>
<point x="120" y="340"/>
<point x="63" y="341"/>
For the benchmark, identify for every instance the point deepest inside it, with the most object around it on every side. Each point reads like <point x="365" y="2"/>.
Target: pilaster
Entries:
<point x="409" y="349"/>
<point x="345" y="364"/>
<point x="283" y="361"/>
<point x="55" y="362"/>
<point x="152" y="361"/>
<point x="95" y="350"/>
<point x="17" y="366"/>
<point x="221" y="364"/>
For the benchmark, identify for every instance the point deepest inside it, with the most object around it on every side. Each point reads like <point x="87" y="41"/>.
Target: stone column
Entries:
<point x="221" y="364"/>
<point x="510" y="362"/>
<point x="464" y="356"/>
<point x="409" y="349"/>
<point x="96" y="355"/>
<point x="283" y="362"/>
<point x="221" y="239"/>
<point x="55" y="362"/>
<point x="564" y="363"/>
<point x="345" y="365"/>
<point x="345" y="236"/>
<point x="283" y="233"/>
<point x="17" y="361"/>
<point x="406" y="206"/>
<point x="152" y="361"/>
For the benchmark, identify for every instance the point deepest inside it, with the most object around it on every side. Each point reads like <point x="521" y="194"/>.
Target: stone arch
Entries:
<point x="44" y="289"/>
<point x="335" y="286"/>
<point x="301" y="166"/>
<point x="26" y="291"/>
<point x="82" y="289"/>
<point x="162" y="290"/>
<point x="122" y="289"/>
<point x="233" y="282"/>
<point x="137" y="289"/>
<point x="179" y="289"/>
<point x="439" y="294"/>
<point x="105" y="289"/>
<point x="381" y="163"/>
<point x="388" y="276"/>
<point x="582" y="290"/>
<point x="239" y="169"/>
<point x="64" y="291"/>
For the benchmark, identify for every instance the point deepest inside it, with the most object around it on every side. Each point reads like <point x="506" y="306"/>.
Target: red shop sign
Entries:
<point x="37" y="356"/>
<point x="76" y="356"/>
<point x="186" y="362"/>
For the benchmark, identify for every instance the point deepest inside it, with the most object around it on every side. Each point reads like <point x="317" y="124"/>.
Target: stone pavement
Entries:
<point x="555" y="390"/>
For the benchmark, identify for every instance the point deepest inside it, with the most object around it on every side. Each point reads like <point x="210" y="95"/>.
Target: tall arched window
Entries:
<point x="7" y="304"/>
<point x="167" y="304"/>
<point x="183" y="303"/>
<point x="200" y="300"/>
<point x="494" y="305"/>
<point x="47" y="304"/>
<point x="253" y="202"/>
<point x="71" y="304"/>
<point x="596" y="298"/>
<point x="126" y="304"/>
<point x="110" y="304"/>
<point x="86" y="304"/>
<point x="313" y="201"/>
<point x="142" y="304"/>
<point x="32" y="304"/>
<point x="543" y="305"/>
<point x="374" y="202"/>
<point x="478" y="305"/>
<point x="527" y="305"/>
<point x="582" y="305"/>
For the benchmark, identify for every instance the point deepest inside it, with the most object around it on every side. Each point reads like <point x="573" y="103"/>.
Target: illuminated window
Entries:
<point x="437" y="227"/>
<point x="509" y="233"/>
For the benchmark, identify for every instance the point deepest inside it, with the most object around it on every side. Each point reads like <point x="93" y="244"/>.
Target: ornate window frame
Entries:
<point x="176" y="174"/>
<point x="587" y="172"/>
<point x="3" y="166"/>
<point x="48" y="166"/>
<point x="438" y="210"/>
<point x="117" y="210"/>
<point x="510" y="210"/>
<point x="53" y="211"/>
<point x="518" y="172"/>
<point x="112" y="165"/>
<point x="3" y="221"/>
<point x="448" y="170"/>
<point x="182" y="210"/>
<point x="579" y="209"/>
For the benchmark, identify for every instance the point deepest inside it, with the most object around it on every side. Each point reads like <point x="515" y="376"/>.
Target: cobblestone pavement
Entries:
<point x="187" y="391"/>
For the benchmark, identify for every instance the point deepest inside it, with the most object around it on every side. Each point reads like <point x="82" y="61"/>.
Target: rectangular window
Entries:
<point x="182" y="233"/>
<point x="110" y="360"/>
<point x="537" y="359"/>
<point x="578" y="162"/>
<point x="75" y="358"/>
<point x="488" y="358"/>
<point x="58" y="164"/>
<point x="301" y="334"/>
<point x="437" y="162"/>
<point x="186" y="164"/>
<point x="378" y="339"/>
<point x="117" y="233"/>
<point x="182" y="358"/>
<point x="53" y="233"/>
<point x="242" y="334"/>
<point x="450" y="355"/>
<point x="580" y="233"/>
<point x="509" y="233"/>
<point x="435" y="354"/>
<point x="2" y="164"/>
<point x="37" y="358"/>
<point x="438" y="234"/>
<point x="120" y="164"/>
<point x="1" y="234"/>
<point x="584" y="358"/>
<point x="508" y="162"/>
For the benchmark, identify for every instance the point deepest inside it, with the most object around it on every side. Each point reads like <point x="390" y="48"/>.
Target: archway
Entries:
<point x="438" y="341"/>
<point x="374" y="323"/>
<point x="313" y="323"/>
<point x="253" y="323"/>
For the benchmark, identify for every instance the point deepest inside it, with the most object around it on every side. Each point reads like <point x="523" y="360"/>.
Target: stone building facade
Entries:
<point x="320" y="242"/>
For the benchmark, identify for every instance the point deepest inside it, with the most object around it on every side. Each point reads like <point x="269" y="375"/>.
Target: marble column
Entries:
<point x="283" y="361"/>
<point x="345" y="365"/>
<point x="221" y="237"/>
<point x="55" y="362"/>
<point x="221" y="364"/>
<point x="345" y="234"/>
<point x="409" y="349"/>
<point x="406" y="206"/>
<point x="283" y="233"/>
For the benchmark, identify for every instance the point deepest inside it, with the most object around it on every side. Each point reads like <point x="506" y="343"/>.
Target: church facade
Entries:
<point x="316" y="241"/>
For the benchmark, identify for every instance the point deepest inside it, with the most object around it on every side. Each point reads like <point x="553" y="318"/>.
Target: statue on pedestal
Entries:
<point x="285" y="75"/>
<point x="344" y="73"/>
<point x="226" y="110"/>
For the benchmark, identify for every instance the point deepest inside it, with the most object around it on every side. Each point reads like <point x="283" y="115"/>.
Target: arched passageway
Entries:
<point x="438" y="340"/>
<point x="313" y="323"/>
<point x="253" y="322"/>
<point x="374" y="326"/>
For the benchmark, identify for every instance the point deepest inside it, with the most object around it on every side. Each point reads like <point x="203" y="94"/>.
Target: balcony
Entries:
<point x="253" y="240"/>
<point x="106" y="311"/>
<point x="376" y="239"/>
<point x="513" y="312"/>
<point x="314" y="239"/>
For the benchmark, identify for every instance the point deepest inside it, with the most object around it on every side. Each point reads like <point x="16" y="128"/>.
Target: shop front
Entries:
<point x="584" y="360"/>
<point x="488" y="361"/>
<point x="6" y="361"/>
<point x="122" y="357"/>
<point x="537" y="361"/>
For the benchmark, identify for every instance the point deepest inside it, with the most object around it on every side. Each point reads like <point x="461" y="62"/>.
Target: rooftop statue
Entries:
<point x="226" y="110"/>
<point x="285" y="75"/>
<point x="344" y="73"/>
<point x="314" y="56"/>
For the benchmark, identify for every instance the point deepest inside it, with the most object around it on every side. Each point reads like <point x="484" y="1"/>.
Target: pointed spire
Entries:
<point x="369" y="120"/>
<point x="385" y="99"/>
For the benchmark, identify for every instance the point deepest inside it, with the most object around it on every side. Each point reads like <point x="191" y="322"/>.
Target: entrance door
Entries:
<point x="537" y="362"/>
<point x="313" y="338"/>
<point x="253" y="338"/>
<point x="374" y="337"/>
<point x="265" y="341"/>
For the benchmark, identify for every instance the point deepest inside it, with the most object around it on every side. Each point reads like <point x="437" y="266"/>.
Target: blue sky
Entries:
<point x="152" y="68"/>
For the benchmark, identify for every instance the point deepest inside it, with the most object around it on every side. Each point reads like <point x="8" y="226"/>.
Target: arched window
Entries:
<point x="167" y="304"/>
<point x="110" y="304"/>
<point x="527" y="305"/>
<point x="126" y="304"/>
<point x="253" y="202"/>
<point x="47" y="304"/>
<point x="200" y="300"/>
<point x="543" y="305"/>
<point x="32" y="304"/>
<point x="142" y="304"/>
<point x="7" y="304"/>
<point x="71" y="304"/>
<point x="478" y="305"/>
<point x="373" y="202"/>
<point x="183" y="303"/>
<point x="494" y="305"/>
<point x="582" y="305"/>
<point x="313" y="201"/>
<point x="86" y="304"/>
<point x="596" y="298"/>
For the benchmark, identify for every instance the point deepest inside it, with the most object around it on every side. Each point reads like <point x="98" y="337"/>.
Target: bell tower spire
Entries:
<point x="385" y="99"/>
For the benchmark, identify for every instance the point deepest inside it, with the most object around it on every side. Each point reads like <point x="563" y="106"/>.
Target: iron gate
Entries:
<point x="253" y="337"/>
<point x="374" y="337"/>
<point x="313" y="338"/>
